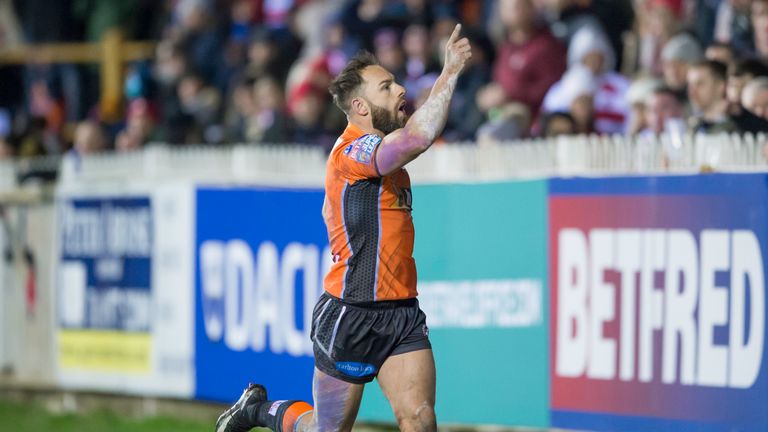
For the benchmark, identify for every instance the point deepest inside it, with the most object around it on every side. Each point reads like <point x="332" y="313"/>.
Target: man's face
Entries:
<point x="704" y="90"/>
<point x="675" y="72"/>
<point x="385" y="98"/>
<point x="661" y="107"/>
<point x="517" y="13"/>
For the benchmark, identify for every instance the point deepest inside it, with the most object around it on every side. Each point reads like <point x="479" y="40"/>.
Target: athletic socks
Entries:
<point x="280" y="416"/>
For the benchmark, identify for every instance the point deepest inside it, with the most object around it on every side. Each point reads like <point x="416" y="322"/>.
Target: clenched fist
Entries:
<point x="457" y="52"/>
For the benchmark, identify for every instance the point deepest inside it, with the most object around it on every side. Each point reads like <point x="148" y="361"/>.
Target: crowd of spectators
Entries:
<point x="257" y="71"/>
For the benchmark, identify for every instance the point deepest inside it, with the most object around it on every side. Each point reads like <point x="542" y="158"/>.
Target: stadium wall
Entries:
<point x="632" y="303"/>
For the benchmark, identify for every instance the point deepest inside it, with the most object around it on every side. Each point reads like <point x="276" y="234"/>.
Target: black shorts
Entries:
<point x="352" y="341"/>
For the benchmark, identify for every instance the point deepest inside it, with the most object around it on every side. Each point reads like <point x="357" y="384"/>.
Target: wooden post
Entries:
<point x="111" y="54"/>
<point x="111" y="75"/>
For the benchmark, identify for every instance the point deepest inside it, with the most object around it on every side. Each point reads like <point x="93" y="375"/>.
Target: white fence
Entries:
<point x="573" y="155"/>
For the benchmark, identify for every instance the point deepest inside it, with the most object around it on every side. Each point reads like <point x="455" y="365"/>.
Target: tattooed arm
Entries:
<point x="424" y="126"/>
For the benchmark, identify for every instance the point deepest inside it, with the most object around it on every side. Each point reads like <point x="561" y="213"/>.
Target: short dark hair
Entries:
<point x="717" y="69"/>
<point x="666" y="90"/>
<point x="749" y="66"/>
<point x="350" y="78"/>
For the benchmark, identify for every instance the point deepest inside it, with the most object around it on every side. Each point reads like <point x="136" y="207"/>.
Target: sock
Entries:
<point x="281" y="416"/>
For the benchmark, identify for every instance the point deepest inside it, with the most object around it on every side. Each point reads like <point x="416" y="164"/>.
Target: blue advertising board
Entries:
<point x="260" y="258"/>
<point x="658" y="303"/>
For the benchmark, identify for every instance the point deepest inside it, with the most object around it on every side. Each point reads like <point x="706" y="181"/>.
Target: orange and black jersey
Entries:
<point x="369" y="224"/>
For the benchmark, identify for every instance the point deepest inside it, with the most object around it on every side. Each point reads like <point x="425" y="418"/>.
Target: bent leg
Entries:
<point x="408" y="382"/>
<point x="336" y="405"/>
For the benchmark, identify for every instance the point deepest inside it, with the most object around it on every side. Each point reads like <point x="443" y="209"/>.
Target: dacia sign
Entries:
<point x="249" y="296"/>
<point x="260" y="259"/>
<point x="658" y="303"/>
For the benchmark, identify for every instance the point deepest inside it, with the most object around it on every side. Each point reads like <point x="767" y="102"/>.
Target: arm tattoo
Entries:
<point x="429" y="120"/>
<point x="421" y="130"/>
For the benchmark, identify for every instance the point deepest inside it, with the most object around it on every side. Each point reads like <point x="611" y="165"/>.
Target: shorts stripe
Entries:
<point x="336" y="329"/>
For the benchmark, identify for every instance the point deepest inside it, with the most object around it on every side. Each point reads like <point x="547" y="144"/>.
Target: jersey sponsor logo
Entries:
<point x="404" y="198"/>
<point x="355" y="369"/>
<point x="361" y="150"/>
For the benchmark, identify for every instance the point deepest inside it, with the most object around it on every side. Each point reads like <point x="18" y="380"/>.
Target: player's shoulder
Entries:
<point x="359" y="148"/>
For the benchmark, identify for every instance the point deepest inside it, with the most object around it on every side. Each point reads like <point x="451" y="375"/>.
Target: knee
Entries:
<point x="417" y="419"/>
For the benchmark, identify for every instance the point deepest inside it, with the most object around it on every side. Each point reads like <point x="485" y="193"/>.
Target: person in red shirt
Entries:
<point x="528" y="61"/>
<point x="368" y="323"/>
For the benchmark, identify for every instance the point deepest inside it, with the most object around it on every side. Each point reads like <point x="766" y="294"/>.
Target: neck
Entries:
<point x="521" y="35"/>
<point x="716" y="111"/>
<point x="365" y="125"/>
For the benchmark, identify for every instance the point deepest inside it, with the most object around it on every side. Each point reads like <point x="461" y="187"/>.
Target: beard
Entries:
<point x="386" y="121"/>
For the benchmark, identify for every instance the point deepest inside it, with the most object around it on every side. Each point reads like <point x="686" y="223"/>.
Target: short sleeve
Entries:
<point x="358" y="158"/>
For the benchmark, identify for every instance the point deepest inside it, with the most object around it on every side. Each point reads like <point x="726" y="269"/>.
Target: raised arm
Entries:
<point x="404" y="145"/>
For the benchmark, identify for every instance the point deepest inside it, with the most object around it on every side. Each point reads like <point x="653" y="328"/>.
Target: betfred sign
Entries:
<point x="658" y="303"/>
<point x="686" y="310"/>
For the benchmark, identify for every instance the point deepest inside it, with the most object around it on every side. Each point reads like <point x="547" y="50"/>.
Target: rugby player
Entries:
<point x="368" y="324"/>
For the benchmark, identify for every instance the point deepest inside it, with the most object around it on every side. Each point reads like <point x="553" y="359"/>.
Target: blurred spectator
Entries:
<point x="760" y="27"/>
<point x="678" y="55"/>
<point x="755" y="98"/>
<point x="706" y="89"/>
<point x="200" y="104"/>
<point x="198" y="35"/>
<point x="664" y="112"/>
<point x="509" y="122"/>
<point x="637" y="97"/>
<point x="309" y="127"/>
<point x="140" y="121"/>
<point x="720" y="51"/>
<point x="579" y="87"/>
<point x="89" y="138"/>
<point x="705" y="15"/>
<point x="658" y="22"/>
<point x="556" y="124"/>
<point x="733" y="27"/>
<point x="313" y="20"/>
<point x="363" y="19"/>
<point x="418" y="53"/>
<point x="739" y="74"/>
<point x="241" y="107"/>
<point x="265" y="57"/>
<point x="528" y="61"/>
<point x="706" y="92"/>
<point x="269" y="124"/>
<point x="389" y="52"/>
<point x="591" y="49"/>
<point x="44" y="105"/>
<point x="613" y="17"/>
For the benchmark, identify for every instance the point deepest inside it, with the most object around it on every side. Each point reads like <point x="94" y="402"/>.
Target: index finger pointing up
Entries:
<point x="455" y="34"/>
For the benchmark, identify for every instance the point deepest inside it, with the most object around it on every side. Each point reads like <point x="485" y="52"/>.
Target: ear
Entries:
<point x="359" y="106"/>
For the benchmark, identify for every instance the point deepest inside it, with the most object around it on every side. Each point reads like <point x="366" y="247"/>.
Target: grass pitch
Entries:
<point x="20" y="417"/>
<point x="17" y="417"/>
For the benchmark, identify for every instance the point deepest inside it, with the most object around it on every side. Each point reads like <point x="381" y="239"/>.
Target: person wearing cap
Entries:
<point x="678" y="55"/>
<point x="591" y="50"/>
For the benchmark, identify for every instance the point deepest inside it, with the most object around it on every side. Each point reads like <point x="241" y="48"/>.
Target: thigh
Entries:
<point x="336" y="404"/>
<point x="408" y="382"/>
